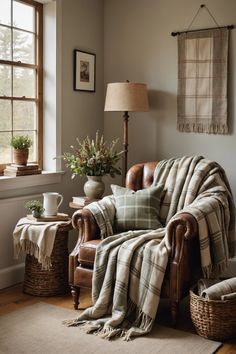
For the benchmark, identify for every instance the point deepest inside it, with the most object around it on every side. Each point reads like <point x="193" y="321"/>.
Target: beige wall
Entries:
<point x="79" y="25"/>
<point x="139" y="47"/>
<point x="82" y="112"/>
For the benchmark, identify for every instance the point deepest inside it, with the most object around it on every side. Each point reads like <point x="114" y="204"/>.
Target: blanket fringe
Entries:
<point x="90" y="327"/>
<point x="87" y="326"/>
<point x="141" y="324"/>
<point x="71" y="323"/>
<point x="214" y="271"/>
<point x="210" y="128"/>
<point x="108" y="332"/>
<point x="33" y="250"/>
<point x="140" y="319"/>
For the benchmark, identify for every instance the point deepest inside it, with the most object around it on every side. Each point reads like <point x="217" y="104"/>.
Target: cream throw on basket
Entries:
<point x="202" y="81"/>
<point x="130" y="267"/>
<point x="35" y="238"/>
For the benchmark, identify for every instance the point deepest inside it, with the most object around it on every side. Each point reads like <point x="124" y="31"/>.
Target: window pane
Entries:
<point x="5" y="115"/>
<point x="23" y="82"/>
<point x="23" y="16"/>
<point x="32" y="150"/>
<point x="5" y="148"/>
<point x="5" y="80"/>
<point x="23" y="47"/>
<point x="5" y="43"/>
<point x="24" y="115"/>
<point x="5" y="13"/>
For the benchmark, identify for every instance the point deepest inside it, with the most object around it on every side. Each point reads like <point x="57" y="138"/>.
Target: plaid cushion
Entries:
<point x="137" y="210"/>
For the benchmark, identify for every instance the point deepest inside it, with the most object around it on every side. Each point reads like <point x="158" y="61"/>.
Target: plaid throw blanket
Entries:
<point x="200" y="187"/>
<point x="104" y="213"/>
<point x="130" y="267"/>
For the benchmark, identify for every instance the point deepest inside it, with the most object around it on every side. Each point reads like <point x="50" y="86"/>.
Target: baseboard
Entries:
<point x="11" y="275"/>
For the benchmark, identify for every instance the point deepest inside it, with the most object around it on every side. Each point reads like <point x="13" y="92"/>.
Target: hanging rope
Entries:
<point x="195" y="16"/>
<point x="213" y="18"/>
<point x="203" y="7"/>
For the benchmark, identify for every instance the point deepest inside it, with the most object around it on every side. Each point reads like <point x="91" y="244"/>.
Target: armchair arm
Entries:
<point x="184" y="263"/>
<point x="84" y="222"/>
<point x="182" y="228"/>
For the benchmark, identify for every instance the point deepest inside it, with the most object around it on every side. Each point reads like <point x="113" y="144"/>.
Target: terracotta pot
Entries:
<point x="21" y="156"/>
<point x="94" y="187"/>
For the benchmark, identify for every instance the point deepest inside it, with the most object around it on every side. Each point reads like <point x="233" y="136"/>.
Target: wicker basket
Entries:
<point x="51" y="282"/>
<point x="213" y="319"/>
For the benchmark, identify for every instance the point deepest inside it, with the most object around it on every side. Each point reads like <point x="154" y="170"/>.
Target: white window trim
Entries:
<point x="47" y="177"/>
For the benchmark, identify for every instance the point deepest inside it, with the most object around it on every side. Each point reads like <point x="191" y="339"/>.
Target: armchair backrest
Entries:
<point x="140" y="175"/>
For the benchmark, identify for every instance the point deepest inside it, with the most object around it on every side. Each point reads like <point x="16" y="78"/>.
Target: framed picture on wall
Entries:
<point x="84" y="71"/>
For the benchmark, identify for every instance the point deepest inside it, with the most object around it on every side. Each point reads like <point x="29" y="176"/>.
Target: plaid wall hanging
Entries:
<point x="202" y="81"/>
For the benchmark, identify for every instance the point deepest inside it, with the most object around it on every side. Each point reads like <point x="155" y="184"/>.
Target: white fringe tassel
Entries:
<point x="210" y="128"/>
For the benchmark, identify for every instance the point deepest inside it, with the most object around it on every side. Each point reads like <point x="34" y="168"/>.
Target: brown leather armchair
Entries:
<point x="184" y="263"/>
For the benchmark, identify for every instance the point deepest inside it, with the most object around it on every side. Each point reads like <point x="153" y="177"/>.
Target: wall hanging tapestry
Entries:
<point x="202" y="81"/>
<point x="202" y="78"/>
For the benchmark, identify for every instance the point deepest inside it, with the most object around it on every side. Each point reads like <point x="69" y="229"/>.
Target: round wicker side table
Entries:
<point x="54" y="281"/>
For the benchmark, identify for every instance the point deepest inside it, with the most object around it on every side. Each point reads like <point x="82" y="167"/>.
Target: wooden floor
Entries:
<point x="12" y="299"/>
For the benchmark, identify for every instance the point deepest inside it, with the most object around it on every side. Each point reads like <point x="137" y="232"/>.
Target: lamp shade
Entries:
<point x="126" y="97"/>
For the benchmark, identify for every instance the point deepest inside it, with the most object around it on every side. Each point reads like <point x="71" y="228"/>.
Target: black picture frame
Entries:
<point x="84" y="71"/>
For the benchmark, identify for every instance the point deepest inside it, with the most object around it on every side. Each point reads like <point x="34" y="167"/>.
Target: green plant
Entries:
<point x="21" y="142"/>
<point x="93" y="158"/>
<point x="35" y="205"/>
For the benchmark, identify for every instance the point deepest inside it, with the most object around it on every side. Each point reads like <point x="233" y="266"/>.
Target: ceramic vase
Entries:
<point x="94" y="187"/>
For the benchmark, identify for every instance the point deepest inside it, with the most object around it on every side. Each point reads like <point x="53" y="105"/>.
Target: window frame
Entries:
<point x="38" y="66"/>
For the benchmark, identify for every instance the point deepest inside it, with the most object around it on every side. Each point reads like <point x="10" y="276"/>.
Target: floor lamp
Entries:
<point x="126" y="97"/>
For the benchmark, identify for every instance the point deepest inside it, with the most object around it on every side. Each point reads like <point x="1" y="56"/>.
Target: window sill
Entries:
<point x="47" y="177"/>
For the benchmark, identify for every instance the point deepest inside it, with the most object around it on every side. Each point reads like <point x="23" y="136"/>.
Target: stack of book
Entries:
<point x="14" y="170"/>
<point x="80" y="202"/>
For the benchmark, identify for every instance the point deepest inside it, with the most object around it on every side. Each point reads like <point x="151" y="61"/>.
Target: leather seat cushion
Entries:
<point x="83" y="277"/>
<point x="87" y="253"/>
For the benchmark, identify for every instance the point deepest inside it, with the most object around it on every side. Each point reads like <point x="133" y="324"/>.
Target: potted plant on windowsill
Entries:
<point x="36" y="207"/>
<point x="21" y="145"/>
<point x="93" y="158"/>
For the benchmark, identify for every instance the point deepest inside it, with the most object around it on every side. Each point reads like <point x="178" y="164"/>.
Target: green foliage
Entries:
<point x="35" y="205"/>
<point x="93" y="158"/>
<point x="21" y="142"/>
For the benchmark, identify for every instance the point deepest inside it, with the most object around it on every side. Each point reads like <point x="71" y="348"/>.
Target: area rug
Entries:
<point x="38" y="329"/>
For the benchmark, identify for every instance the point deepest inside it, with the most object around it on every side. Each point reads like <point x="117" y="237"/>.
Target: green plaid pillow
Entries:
<point x="137" y="210"/>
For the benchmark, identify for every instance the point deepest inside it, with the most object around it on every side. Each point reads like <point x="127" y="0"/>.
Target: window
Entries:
<point x="21" y="76"/>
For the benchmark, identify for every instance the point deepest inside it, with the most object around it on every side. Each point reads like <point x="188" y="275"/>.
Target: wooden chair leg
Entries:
<point x="75" y="292"/>
<point x="174" y="307"/>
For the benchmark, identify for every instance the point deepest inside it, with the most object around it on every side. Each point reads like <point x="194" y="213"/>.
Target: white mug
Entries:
<point x="50" y="203"/>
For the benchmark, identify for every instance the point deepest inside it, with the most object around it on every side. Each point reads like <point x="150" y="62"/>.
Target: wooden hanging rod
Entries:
<point x="203" y="29"/>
